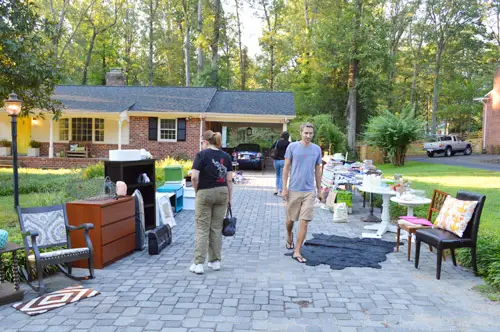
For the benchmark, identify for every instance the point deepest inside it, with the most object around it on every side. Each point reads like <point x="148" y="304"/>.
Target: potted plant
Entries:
<point x="34" y="149"/>
<point x="5" y="147"/>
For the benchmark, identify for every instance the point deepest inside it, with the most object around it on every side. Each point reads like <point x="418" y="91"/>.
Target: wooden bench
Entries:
<point x="77" y="154"/>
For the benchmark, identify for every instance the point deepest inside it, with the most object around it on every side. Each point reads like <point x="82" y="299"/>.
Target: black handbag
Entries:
<point x="229" y="225"/>
<point x="159" y="238"/>
<point x="273" y="153"/>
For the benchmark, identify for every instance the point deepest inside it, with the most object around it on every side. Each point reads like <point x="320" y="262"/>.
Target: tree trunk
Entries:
<point x="413" y="85"/>
<point x="352" y="103"/>
<point x="187" y="51"/>
<point x="271" y="45"/>
<point x="152" y="11"/>
<point x="306" y="16"/>
<point x="244" y="72"/>
<point x="89" y="57"/>
<point x="215" y="43"/>
<point x="242" y="68"/>
<point x="435" y="97"/>
<point x="199" y="51"/>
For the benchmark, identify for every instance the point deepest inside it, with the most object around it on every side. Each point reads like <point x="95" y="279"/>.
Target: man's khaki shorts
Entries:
<point x="300" y="206"/>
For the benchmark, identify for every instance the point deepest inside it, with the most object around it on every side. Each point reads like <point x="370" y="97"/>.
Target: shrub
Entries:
<point x="326" y="134"/>
<point x="93" y="171"/>
<point x="6" y="144"/>
<point x="393" y="133"/>
<point x="160" y="164"/>
<point x="35" y="144"/>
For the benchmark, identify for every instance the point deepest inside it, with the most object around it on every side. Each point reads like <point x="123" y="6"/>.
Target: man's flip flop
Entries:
<point x="290" y="245"/>
<point x="299" y="259"/>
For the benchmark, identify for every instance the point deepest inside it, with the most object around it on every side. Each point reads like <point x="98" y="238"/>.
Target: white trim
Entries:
<point x="159" y="130"/>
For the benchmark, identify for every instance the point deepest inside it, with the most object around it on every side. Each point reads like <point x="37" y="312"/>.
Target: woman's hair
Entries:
<point x="285" y="135"/>
<point x="213" y="138"/>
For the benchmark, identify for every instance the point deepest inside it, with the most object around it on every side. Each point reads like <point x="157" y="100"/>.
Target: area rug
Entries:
<point x="340" y="252"/>
<point x="55" y="300"/>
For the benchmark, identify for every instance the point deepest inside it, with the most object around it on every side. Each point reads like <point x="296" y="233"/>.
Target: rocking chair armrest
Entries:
<point x="34" y="245"/>
<point x="85" y="226"/>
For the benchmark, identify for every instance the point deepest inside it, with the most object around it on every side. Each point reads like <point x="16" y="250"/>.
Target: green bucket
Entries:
<point x="173" y="173"/>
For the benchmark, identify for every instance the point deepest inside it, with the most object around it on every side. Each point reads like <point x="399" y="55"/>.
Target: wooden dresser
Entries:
<point x="113" y="236"/>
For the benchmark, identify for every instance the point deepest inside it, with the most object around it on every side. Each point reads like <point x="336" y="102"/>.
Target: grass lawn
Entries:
<point x="451" y="179"/>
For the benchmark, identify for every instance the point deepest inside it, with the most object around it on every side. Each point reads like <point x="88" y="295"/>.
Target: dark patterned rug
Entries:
<point x="340" y="252"/>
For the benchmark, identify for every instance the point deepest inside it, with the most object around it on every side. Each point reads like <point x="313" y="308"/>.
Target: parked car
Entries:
<point x="249" y="155"/>
<point x="447" y="144"/>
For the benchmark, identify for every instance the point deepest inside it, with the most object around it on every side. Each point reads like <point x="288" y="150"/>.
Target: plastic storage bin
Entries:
<point x="173" y="174"/>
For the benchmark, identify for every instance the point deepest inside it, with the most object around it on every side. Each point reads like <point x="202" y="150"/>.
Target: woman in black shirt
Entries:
<point x="212" y="182"/>
<point x="280" y="145"/>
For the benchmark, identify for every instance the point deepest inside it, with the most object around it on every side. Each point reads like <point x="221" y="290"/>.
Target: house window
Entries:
<point x="64" y="129"/>
<point x="168" y="130"/>
<point x="81" y="129"/>
<point x="99" y="130"/>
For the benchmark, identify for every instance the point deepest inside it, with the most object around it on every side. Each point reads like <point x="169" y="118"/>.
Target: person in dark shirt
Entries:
<point x="212" y="182"/>
<point x="280" y="145"/>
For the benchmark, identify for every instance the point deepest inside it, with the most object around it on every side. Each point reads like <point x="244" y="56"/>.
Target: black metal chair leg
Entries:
<point x="439" y="261"/>
<point x="453" y="257"/>
<point x="70" y="268"/>
<point x="474" y="263"/>
<point x="41" y="285"/>
<point x="417" y="252"/>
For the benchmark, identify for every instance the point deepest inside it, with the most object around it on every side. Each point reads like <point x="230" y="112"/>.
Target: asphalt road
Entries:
<point x="481" y="161"/>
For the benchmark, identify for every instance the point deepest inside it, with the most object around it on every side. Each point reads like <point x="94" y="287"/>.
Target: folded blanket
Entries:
<point x="416" y="220"/>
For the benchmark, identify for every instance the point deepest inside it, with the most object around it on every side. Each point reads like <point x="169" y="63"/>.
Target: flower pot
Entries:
<point x="4" y="151"/>
<point x="33" y="152"/>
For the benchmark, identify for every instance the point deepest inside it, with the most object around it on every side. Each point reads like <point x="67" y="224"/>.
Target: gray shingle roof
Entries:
<point x="140" y="98"/>
<point x="253" y="102"/>
<point x="173" y="99"/>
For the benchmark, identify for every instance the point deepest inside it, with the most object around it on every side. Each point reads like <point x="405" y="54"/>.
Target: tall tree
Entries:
<point x="187" y="41"/>
<point x="240" y="46"/>
<point x="448" y="18"/>
<point x="99" y="24"/>
<point x="214" y="45"/>
<point x="26" y="62"/>
<point x="199" y="50"/>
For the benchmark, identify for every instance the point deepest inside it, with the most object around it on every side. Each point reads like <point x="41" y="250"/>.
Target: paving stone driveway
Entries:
<point x="260" y="289"/>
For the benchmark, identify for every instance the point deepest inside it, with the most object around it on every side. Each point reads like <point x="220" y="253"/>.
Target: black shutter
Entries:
<point x="153" y="129"/>
<point x="181" y="130"/>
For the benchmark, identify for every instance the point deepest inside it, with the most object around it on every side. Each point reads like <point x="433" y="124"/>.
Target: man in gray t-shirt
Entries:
<point x="304" y="160"/>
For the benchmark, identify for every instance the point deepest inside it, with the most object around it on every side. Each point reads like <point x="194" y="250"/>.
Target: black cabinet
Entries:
<point x="131" y="172"/>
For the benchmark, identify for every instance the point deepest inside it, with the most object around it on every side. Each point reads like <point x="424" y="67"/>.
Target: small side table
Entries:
<point x="10" y="292"/>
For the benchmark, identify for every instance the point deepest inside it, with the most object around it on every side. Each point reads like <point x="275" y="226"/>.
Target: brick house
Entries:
<point x="167" y="121"/>
<point x="491" y="124"/>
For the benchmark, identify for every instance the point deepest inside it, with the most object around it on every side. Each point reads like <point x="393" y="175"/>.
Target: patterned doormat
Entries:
<point x="55" y="300"/>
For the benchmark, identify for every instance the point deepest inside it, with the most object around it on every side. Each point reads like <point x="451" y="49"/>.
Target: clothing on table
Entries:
<point x="278" y="166"/>
<point x="303" y="165"/>
<point x="281" y="145"/>
<point x="213" y="166"/>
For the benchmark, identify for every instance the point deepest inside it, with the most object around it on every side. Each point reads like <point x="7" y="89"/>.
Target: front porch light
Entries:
<point x="13" y="104"/>
<point x="249" y="131"/>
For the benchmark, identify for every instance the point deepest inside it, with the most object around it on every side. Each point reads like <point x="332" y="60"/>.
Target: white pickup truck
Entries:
<point x="447" y="144"/>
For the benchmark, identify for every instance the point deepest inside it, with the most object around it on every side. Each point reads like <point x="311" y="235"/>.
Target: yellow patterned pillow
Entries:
<point x="455" y="215"/>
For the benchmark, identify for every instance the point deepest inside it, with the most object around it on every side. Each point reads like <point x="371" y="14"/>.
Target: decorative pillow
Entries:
<point x="72" y="147"/>
<point x="455" y="215"/>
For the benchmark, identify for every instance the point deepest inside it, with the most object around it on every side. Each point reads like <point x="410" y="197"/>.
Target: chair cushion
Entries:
<point x="455" y="214"/>
<point x="415" y="220"/>
<point x="433" y="236"/>
<point x="62" y="253"/>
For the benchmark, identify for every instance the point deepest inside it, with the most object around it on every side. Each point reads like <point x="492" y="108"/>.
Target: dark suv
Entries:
<point x="249" y="155"/>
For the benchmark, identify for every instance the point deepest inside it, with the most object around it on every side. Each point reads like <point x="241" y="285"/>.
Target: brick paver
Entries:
<point x="260" y="289"/>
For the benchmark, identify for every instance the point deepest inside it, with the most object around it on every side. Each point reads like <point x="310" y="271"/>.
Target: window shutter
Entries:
<point x="153" y="129"/>
<point x="181" y="130"/>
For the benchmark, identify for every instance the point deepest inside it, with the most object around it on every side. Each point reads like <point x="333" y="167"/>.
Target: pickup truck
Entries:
<point x="447" y="144"/>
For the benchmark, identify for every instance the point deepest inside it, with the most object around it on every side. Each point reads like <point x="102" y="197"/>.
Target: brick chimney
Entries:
<point x="115" y="77"/>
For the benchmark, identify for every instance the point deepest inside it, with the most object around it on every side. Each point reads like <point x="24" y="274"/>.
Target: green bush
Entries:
<point x="326" y="134"/>
<point x="93" y="171"/>
<point x="393" y="133"/>
<point x="6" y="144"/>
<point x="160" y="164"/>
<point x="35" y="144"/>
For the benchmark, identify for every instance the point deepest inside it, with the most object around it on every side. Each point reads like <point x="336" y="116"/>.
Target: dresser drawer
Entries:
<point x="117" y="212"/>
<point x="117" y="230"/>
<point x="179" y="192"/>
<point x="118" y="249"/>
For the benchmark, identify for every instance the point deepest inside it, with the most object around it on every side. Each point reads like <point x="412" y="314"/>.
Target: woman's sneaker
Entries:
<point x="197" y="268"/>
<point x="214" y="265"/>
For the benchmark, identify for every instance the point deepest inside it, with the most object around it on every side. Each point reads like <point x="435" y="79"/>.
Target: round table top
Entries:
<point x="415" y="201"/>
<point x="378" y="190"/>
<point x="9" y="247"/>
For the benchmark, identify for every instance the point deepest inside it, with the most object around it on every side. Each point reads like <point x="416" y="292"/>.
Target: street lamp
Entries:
<point x="13" y="107"/>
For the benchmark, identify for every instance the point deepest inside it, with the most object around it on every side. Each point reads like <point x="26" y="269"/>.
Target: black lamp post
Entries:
<point x="13" y="107"/>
